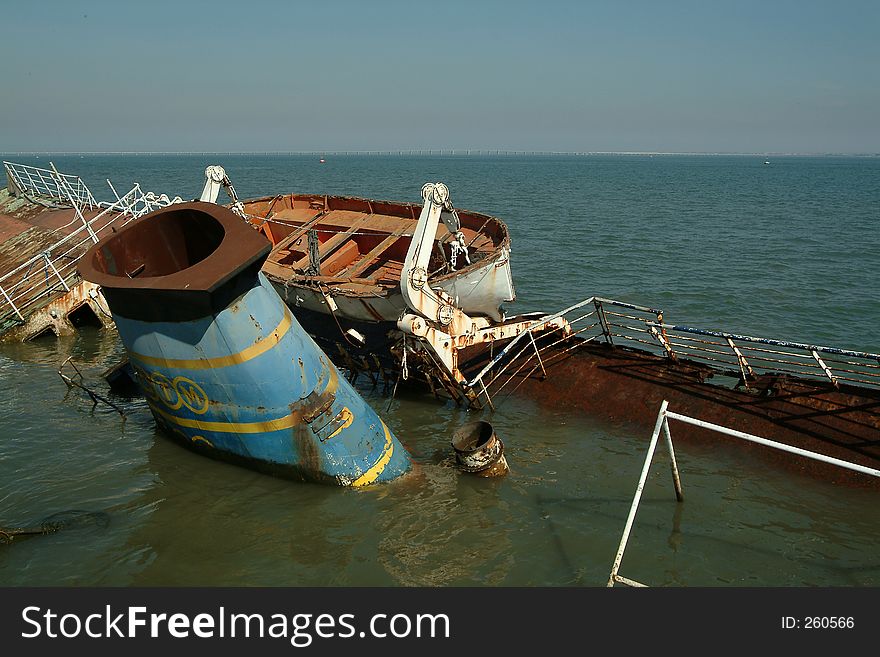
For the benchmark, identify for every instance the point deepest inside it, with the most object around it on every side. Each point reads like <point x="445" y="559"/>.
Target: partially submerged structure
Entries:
<point x="620" y="361"/>
<point x="48" y="220"/>
<point x="348" y="267"/>
<point x="408" y="293"/>
<point x="386" y="285"/>
<point x="225" y="367"/>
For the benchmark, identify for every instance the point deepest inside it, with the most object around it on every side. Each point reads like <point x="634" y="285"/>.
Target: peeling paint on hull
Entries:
<point x="224" y="365"/>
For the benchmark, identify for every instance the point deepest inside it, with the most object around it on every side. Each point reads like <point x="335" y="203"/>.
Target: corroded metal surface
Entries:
<point x="56" y="316"/>
<point x="625" y="385"/>
<point x="28" y="229"/>
<point x="478" y="450"/>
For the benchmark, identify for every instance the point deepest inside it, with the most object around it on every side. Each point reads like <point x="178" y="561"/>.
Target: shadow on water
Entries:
<point x="697" y="542"/>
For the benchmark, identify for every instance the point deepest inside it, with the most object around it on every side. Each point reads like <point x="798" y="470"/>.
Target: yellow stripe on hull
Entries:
<point x="278" y="424"/>
<point x="373" y="473"/>
<point x="260" y="347"/>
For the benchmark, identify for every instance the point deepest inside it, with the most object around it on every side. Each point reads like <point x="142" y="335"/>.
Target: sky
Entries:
<point x="253" y="76"/>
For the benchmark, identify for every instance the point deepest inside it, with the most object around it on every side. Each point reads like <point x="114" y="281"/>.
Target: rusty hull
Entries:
<point x="626" y="385"/>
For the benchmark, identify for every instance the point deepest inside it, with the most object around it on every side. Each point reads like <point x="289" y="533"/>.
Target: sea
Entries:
<point x="781" y="246"/>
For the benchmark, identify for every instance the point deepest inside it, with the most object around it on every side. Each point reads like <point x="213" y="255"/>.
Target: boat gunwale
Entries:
<point x="500" y="238"/>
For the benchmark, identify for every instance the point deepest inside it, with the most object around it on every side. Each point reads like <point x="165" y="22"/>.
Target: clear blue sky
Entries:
<point x="731" y="76"/>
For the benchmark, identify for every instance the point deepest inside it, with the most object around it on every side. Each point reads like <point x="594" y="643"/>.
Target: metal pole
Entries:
<point x="6" y="296"/>
<point x="824" y="367"/>
<point x="488" y="397"/>
<point x="538" y="354"/>
<point x="49" y="262"/>
<point x="780" y="446"/>
<point x="661" y="417"/>
<point x="743" y="363"/>
<point x="603" y="320"/>
<point x="676" y="479"/>
<point x="62" y="184"/>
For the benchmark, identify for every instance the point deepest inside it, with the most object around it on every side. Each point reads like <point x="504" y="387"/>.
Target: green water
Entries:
<point x="787" y="250"/>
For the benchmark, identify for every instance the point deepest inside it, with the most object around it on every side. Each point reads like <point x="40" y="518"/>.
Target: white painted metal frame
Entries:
<point x="662" y="424"/>
<point x="50" y="183"/>
<point x="54" y="269"/>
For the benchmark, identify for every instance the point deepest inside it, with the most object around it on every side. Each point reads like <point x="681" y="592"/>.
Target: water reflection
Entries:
<point x="178" y="518"/>
<point x="451" y="529"/>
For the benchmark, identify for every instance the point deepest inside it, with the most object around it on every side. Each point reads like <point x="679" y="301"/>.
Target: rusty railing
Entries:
<point x="620" y="324"/>
<point x="33" y="283"/>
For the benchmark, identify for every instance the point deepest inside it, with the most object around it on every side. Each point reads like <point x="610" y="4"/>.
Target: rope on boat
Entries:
<point x="331" y="304"/>
<point x="400" y="373"/>
<point x="326" y="230"/>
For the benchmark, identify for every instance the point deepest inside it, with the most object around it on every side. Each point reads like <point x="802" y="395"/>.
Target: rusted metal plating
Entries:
<point x="479" y="450"/>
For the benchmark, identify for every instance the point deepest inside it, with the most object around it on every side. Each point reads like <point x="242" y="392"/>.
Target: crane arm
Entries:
<point x="215" y="178"/>
<point x="433" y="305"/>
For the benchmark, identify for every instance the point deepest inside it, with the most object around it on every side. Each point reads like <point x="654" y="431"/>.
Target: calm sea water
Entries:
<point x="788" y="249"/>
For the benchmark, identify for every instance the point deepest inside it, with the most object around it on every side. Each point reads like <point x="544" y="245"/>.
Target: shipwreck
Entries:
<point x="225" y="367"/>
<point x="409" y="295"/>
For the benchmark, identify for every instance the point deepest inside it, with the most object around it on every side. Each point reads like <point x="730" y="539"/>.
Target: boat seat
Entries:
<point x="329" y="245"/>
<point x="370" y="259"/>
<point x="390" y="270"/>
<point x="312" y="219"/>
<point x="344" y="256"/>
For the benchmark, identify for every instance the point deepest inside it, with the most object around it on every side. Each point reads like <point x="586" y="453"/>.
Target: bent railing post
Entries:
<point x="661" y="418"/>
<point x="662" y="424"/>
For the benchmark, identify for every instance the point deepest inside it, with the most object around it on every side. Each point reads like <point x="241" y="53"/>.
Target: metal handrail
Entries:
<point x="662" y="424"/>
<point x="574" y="332"/>
<point x="767" y="341"/>
<point x="731" y="354"/>
<point x="32" y="278"/>
<point x="50" y="183"/>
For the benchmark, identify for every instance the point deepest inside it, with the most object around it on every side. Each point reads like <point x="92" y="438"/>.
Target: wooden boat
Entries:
<point x="361" y="248"/>
<point x="354" y="269"/>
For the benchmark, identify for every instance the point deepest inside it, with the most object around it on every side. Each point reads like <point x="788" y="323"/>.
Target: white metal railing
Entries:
<point x="49" y="183"/>
<point x="34" y="282"/>
<point x="662" y="424"/>
<point x="624" y="324"/>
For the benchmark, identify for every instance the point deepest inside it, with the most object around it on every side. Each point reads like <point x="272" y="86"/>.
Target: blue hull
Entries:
<point x="246" y="383"/>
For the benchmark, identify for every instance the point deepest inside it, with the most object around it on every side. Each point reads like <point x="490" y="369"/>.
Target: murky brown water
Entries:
<point x="174" y="517"/>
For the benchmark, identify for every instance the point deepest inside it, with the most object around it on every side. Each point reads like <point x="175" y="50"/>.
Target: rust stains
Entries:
<point x="621" y="384"/>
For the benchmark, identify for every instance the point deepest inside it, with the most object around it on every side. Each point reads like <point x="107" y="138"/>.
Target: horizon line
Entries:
<point x="457" y="152"/>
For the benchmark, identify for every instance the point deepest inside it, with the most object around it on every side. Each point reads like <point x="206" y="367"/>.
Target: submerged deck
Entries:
<point x="48" y="220"/>
<point x="30" y="281"/>
<point x="619" y="362"/>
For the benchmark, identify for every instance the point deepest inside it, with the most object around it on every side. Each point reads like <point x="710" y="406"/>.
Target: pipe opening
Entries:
<point x="472" y="436"/>
<point x="160" y="245"/>
<point x="479" y="450"/>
